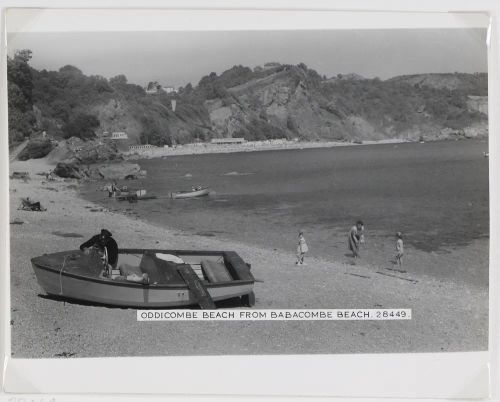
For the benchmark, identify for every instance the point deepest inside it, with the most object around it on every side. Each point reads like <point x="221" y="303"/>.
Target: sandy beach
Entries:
<point x="448" y="316"/>
<point x="249" y="146"/>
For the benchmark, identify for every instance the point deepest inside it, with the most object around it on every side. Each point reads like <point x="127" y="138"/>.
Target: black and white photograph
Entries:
<point x="174" y="172"/>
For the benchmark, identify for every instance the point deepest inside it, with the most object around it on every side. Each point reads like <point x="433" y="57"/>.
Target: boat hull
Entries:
<point x="59" y="282"/>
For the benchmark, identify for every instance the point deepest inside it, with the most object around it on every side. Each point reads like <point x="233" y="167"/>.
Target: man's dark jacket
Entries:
<point x="108" y="242"/>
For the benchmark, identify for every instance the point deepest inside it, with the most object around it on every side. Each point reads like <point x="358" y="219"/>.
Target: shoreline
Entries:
<point x="257" y="146"/>
<point x="448" y="316"/>
<point x="453" y="262"/>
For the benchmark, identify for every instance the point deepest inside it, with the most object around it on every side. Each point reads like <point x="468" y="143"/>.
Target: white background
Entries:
<point x="447" y="375"/>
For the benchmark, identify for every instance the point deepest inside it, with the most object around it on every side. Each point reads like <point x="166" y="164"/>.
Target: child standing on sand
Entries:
<point x="302" y="249"/>
<point x="399" y="249"/>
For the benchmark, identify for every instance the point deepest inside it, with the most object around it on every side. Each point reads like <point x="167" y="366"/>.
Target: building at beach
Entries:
<point x="141" y="147"/>
<point x="119" y="135"/>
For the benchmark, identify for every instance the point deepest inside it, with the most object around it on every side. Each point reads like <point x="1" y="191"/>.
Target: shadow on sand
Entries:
<point x="229" y="303"/>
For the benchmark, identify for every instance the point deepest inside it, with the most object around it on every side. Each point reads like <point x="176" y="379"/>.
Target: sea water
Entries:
<point x="435" y="193"/>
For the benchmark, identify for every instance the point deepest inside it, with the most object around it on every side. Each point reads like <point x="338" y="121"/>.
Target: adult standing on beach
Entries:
<point x="109" y="188"/>
<point x="114" y="188"/>
<point x="356" y="237"/>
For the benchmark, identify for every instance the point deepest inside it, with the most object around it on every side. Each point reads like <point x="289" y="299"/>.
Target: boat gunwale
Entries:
<point x="106" y="281"/>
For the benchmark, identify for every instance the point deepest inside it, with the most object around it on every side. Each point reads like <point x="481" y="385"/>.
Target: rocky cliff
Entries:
<point x="274" y="101"/>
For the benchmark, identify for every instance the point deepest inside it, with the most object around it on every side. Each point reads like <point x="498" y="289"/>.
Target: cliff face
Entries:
<point x="296" y="102"/>
<point x="274" y="102"/>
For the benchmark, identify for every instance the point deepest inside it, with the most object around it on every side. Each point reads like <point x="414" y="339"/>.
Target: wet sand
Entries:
<point x="447" y="315"/>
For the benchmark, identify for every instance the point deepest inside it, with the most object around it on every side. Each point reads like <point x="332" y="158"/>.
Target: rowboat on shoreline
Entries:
<point x="197" y="192"/>
<point x="174" y="278"/>
<point x="134" y="196"/>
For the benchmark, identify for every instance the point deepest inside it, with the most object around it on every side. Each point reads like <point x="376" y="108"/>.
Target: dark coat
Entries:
<point x="108" y="242"/>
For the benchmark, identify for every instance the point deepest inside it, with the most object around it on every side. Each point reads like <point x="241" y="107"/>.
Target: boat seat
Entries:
<point x="215" y="271"/>
<point x="160" y="271"/>
<point x="129" y="259"/>
<point x="127" y="269"/>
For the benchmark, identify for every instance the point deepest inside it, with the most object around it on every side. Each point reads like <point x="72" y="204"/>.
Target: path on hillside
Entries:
<point x="13" y="153"/>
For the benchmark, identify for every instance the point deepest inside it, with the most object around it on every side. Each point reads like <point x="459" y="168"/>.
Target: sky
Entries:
<point x="177" y="58"/>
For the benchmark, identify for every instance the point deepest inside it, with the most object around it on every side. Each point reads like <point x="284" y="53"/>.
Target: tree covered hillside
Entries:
<point x="273" y="101"/>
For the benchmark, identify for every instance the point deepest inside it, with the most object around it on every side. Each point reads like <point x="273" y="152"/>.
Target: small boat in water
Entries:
<point x="134" y="195"/>
<point x="174" y="278"/>
<point x="195" y="192"/>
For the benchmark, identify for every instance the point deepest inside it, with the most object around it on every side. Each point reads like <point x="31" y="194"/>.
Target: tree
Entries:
<point x="153" y="134"/>
<point x="19" y="73"/>
<point x="119" y="80"/>
<point x="81" y="125"/>
<point x="20" y="96"/>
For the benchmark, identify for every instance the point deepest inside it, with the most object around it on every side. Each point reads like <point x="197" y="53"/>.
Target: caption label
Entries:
<point x="274" y="315"/>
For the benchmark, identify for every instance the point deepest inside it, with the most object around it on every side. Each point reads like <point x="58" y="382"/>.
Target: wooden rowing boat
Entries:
<point x="197" y="277"/>
<point x="134" y="195"/>
<point x="191" y="193"/>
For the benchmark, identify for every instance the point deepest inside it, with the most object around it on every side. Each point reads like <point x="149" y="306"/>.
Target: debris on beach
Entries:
<point x="65" y="354"/>
<point x="16" y="222"/>
<point x="62" y="234"/>
<point x="206" y="234"/>
<point x="20" y="176"/>
<point x="414" y="281"/>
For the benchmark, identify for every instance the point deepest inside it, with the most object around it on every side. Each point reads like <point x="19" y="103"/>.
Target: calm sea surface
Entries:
<point x="435" y="193"/>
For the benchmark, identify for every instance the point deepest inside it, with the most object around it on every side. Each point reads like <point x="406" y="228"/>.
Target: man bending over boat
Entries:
<point x="106" y="244"/>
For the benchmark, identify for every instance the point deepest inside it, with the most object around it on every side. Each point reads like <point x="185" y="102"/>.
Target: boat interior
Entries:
<point x="163" y="268"/>
<point x="153" y="267"/>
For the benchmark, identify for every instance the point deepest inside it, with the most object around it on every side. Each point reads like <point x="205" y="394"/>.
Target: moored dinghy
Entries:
<point x="175" y="278"/>
<point x="195" y="192"/>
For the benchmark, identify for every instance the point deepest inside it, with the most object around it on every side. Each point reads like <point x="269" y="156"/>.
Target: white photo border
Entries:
<point x="441" y="375"/>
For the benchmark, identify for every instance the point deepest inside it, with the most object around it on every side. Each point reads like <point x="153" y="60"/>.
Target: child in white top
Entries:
<point x="399" y="249"/>
<point x="302" y="249"/>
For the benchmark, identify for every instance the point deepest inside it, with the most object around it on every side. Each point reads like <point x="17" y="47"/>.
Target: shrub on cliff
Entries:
<point x="81" y="125"/>
<point x="36" y="148"/>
